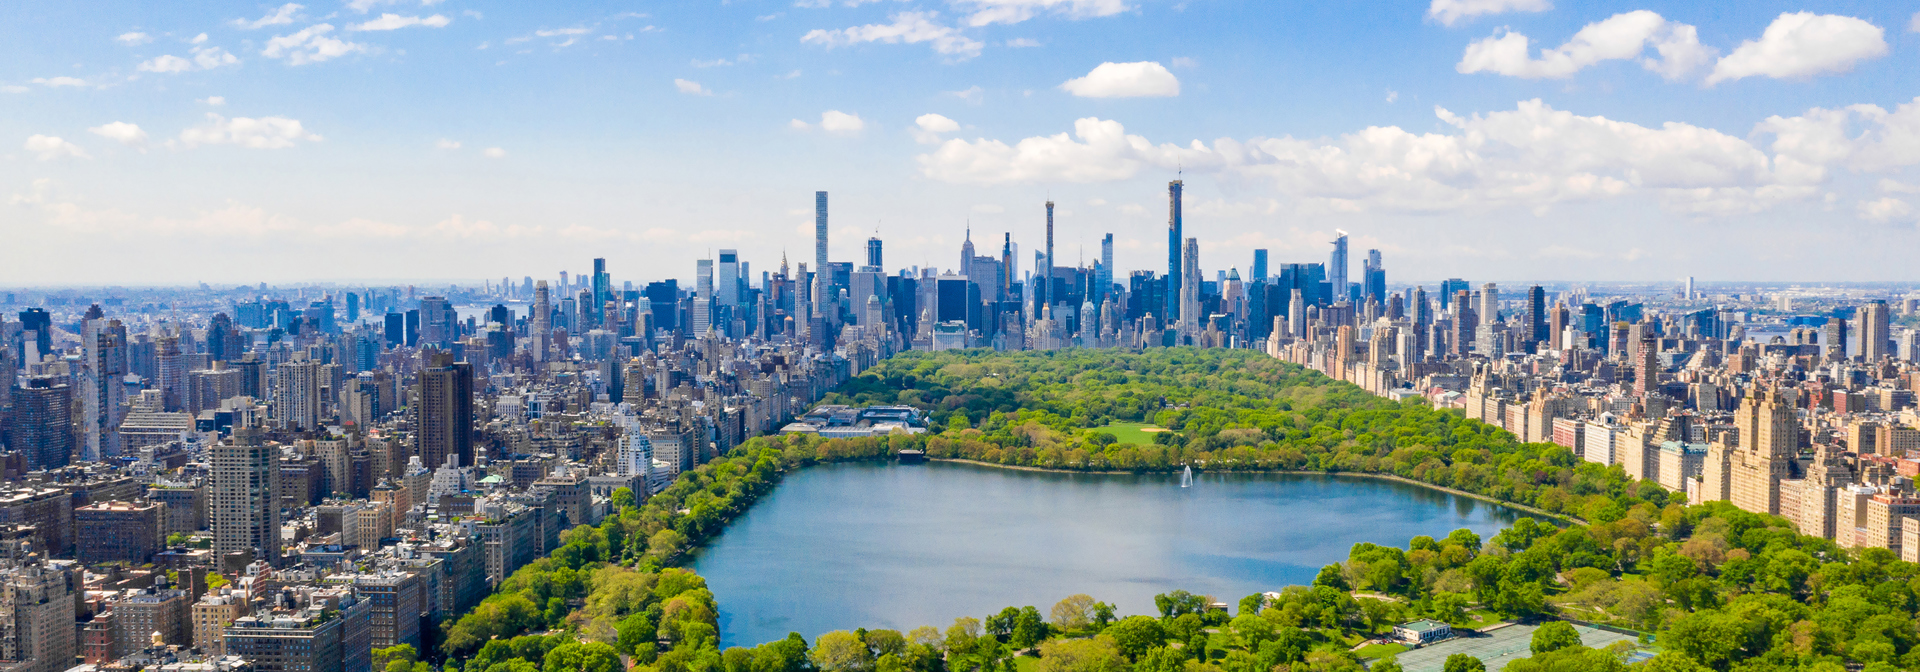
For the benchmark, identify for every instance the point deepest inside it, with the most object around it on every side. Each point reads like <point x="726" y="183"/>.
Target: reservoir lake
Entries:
<point x="883" y="545"/>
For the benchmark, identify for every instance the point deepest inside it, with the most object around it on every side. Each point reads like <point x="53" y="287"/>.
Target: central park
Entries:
<point x="1051" y="532"/>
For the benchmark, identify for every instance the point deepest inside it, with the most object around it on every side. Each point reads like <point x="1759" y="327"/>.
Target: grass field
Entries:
<point x="1136" y="433"/>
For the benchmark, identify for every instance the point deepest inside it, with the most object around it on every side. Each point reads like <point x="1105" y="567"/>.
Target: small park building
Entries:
<point x="1423" y="631"/>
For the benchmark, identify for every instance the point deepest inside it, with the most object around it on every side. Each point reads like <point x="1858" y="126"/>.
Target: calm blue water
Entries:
<point x="899" y="546"/>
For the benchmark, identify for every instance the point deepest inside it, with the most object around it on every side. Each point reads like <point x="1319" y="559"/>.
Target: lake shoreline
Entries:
<point x="1359" y="474"/>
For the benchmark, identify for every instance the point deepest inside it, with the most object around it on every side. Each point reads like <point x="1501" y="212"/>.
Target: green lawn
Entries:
<point x="1130" y="432"/>
<point x="1379" y="650"/>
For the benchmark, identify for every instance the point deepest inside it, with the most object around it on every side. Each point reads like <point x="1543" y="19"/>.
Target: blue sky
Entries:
<point x="1488" y="139"/>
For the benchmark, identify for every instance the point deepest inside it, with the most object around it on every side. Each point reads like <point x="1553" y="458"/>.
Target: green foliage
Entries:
<point x="1092" y="654"/>
<point x="1135" y="635"/>
<point x="1461" y="662"/>
<point x="1553" y="636"/>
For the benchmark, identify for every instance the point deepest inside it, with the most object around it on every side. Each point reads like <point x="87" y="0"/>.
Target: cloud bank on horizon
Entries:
<point x="1762" y="141"/>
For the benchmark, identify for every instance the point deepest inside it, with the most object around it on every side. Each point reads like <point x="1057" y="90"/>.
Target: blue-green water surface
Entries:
<point x="879" y="545"/>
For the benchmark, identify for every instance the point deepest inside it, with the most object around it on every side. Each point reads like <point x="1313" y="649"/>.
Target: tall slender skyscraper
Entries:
<point x="1537" y="316"/>
<point x="1104" y="276"/>
<point x="1190" y="317"/>
<point x="702" y="297"/>
<point x="1489" y="303"/>
<point x="602" y="283"/>
<point x="820" y="231"/>
<point x="1043" y="276"/>
<point x="1337" y="267"/>
<point x="245" y="504"/>
<point x="1259" y="265"/>
<point x="873" y="254"/>
<point x="1172" y="311"/>
<point x="1006" y="265"/>
<point x="540" y="323"/>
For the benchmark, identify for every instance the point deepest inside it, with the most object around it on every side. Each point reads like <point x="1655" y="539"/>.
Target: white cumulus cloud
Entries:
<point x="166" y="63"/>
<point x="447" y="144"/>
<point x="133" y="39"/>
<point x="310" y="45"/>
<point x="908" y="28"/>
<point x="261" y="133"/>
<point x="1531" y="157"/>
<point x="1803" y="44"/>
<point x="1125" y="80"/>
<point x="280" y="16"/>
<point x="204" y="58"/>
<point x="1620" y="37"/>
<point x="1449" y="11"/>
<point x="122" y="132"/>
<point x="396" y="22"/>
<point x="57" y="82"/>
<point x="987" y="12"/>
<point x="1886" y="209"/>
<point x="691" y="88"/>
<point x="928" y="127"/>
<point x="835" y="121"/>
<point x="48" y="148"/>
<point x="495" y="153"/>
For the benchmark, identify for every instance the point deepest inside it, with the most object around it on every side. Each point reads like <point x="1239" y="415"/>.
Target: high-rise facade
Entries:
<point x="1337" y="267"/>
<point x="1172" y="309"/>
<point x="726" y="285"/>
<point x="820" y="230"/>
<point x="296" y="394"/>
<point x="245" y="502"/>
<point x="702" y="297"/>
<point x="874" y="258"/>
<point x="1043" y="276"/>
<point x="446" y="411"/>
<point x="1259" y="271"/>
<point x="602" y="283"/>
<point x="43" y="423"/>
<point x="1191" y="319"/>
<point x="540" y="323"/>
<point x="1373" y="279"/>
<point x="1875" y="334"/>
<point x="1103" y="276"/>
<point x="1489" y="303"/>
<point x="1537" y="315"/>
<point x="37" y="600"/>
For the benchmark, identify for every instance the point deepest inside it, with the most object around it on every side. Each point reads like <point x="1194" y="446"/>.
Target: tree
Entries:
<point x="577" y="657"/>
<point x="1331" y="577"/>
<point x="1461" y="662"/>
<point x="1102" y="615"/>
<point x="622" y="498"/>
<point x="1179" y="602"/>
<point x="403" y="653"/>
<point x="1136" y="634"/>
<point x="1161" y="659"/>
<point x="963" y="636"/>
<point x="1074" y="613"/>
<point x="1387" y="664"/>
<point x="1028" y="629"/>
<point x="1554" y="637"/>
<point x="1093" y="654"/>
<point x="840" y="651"/>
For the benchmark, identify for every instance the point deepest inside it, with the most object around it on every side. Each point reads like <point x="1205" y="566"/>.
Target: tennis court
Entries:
<point x="1496" y="648"/>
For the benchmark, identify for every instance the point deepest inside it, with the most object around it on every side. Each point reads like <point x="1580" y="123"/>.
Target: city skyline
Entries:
<point x="1661" y="140"/>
